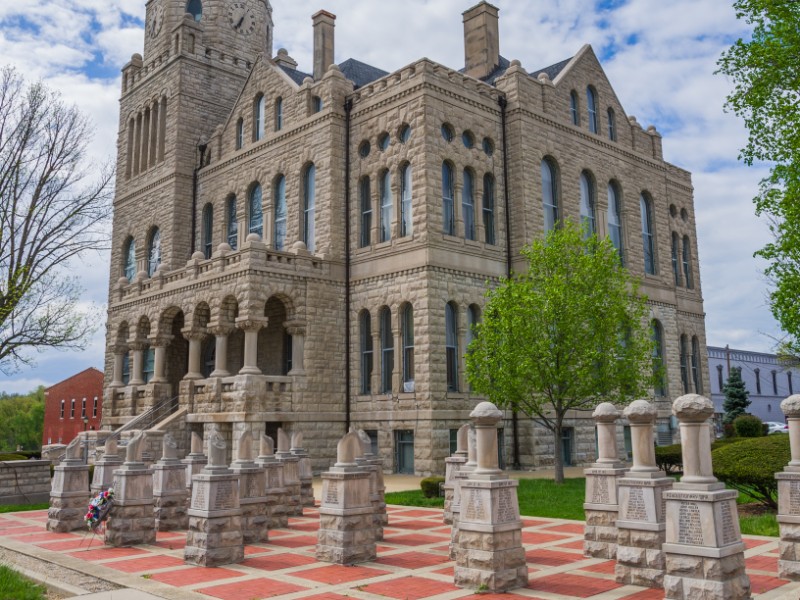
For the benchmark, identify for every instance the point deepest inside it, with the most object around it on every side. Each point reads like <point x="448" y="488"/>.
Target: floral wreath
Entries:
<point x="99" y="507"/>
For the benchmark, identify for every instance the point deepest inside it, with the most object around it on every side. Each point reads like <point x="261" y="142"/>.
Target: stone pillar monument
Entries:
<point x="376" y="486"/>
<point x="601" y="506"/>
<point x="463" y="473"/>
<point x="789" y="496"/>
<point x="215" y="517"/>
<point x="195" y="460"/>
<point x="641" y="523"/>
<point x="489" y="552"/>
<point x="304" y="470"/>
<point x="291" y="474"/>
<point x="104" y="467"/>
<point x="169" y="488"/>
<point x="704" y="549"/>
<point x="252" y="492"/>
<point x="452" y="466"/>
<point x="346" y="529"/>
<point x="69" y="492"/>
<point x="132" y="520"/>
<point x="277" y="509"/>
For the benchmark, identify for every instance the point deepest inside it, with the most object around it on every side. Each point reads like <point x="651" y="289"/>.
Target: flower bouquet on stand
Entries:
<point x="99" y="507"/>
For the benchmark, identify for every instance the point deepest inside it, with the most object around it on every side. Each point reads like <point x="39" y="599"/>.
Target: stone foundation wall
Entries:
<point x="24" y="481"/>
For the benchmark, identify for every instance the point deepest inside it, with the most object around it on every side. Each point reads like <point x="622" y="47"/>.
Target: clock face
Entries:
<point x="156" y="21"/>
<point x="241" y="18"/>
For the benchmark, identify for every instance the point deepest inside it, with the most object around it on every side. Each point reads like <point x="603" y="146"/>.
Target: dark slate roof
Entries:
<point x="553" y="70"/>
<point x="360" y="73"/>
<point x="499" y="70"/>
<point x="297" y="76"/>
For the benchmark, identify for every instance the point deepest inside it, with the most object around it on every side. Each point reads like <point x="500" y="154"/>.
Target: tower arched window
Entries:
<point x="407" y="331"/>
<point x="587" y="204"/>
<point x="386" y="206"/>
<point x="573" y="108"/>
<point x="591" y="107"/>
<point x="129" y="267"/>
<point x="279" y="237"/>
<point x="365" y="200"/>
<point x="549" y="195"/>
<point x="154" y="252"/>
<point x="698" y="382"/>
<point x="451" y="345"/>
<point x="208" y="230"/>
<point x="675" y="268"/>
<point x="612" y="125"/>
<point x="448" y="207"/>
<point x="279" y="114"/>
<point x="405" y="200"/>
<point x="258" y="117"/>
<point x="309" y="206"/>
<point x="648" y="241"/>
<point x="365" y="338"/>
<point x="687" y="262"/>
<point x="468" y="205"/>
<point x="659" y="370"/>
<point x="239" y="134"/>
<point x="255" y="221"/>
<point x="615" y="220"/>
<point x="387" y="349"/>
<point x="233" y="223"/>
<point x="195" y="8"/>
<point x="488" y="208"/>
<point x="684" y="354"/>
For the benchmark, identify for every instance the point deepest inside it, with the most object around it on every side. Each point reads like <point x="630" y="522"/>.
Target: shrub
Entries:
<point x="669" y="458"/>
<point x="10" y="456"/>
<point x="728" y="431"/>
<point x="748" y="426"/>
<point x="430" y="486"/>
<point x="750" y="466"/>
<point x="725" y="442"/>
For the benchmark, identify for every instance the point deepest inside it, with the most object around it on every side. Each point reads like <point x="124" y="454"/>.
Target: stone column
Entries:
<point x="277" y="508"/>
<point x="195" y="460"/>
<point x="195" y="352"/>
<point x="304" y="470"/>
<point x="346" y="529"/>
<point x="132" y="519"/>
<point x="252" y="492"/>
<point x="170" y="494"/>
<point x="601" y="506"/>
<point x="291" y="474"/>
<point x="104" y="468"/>
<point x="297" y="330"/>
<point x="463" y="473"/>
<point x="704" y="549"/>
<point x="641" y="523"/>
<point x="215" y="537"/>
<point x="119" y="360"/>
<point x="251" y="328"/>
<point x="159" y="344"/>
<point x="221" y="358"/>
<point x="789" y="496"/>
<point x="489" y="552"/>
<point x="137" y="375"/>
<point x="377" y="488"/>
<point x="453" y="465"/>
<point x="69" y="492"/>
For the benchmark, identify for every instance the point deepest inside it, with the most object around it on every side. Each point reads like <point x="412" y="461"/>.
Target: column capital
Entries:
<point x="251" y="323"/>
<point x="219" y="330"/>
<point x="191" y="333"/>
<point x="160" y="340"/>
<point x="137" y="345"/>
<point x="119" y="348"/>
<point x="295" y="327"/>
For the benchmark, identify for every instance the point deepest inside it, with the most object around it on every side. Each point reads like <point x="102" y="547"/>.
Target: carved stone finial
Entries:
<point x="111" y="447"/>
<point x="366" y="442"/>
<point x="348" y="448"/>
<point x="605" y="412"/>
<point x="73" y="451"/>
<point x="692" y="408"/>
<point x="791" y="406"/>
<point x="216" y="448"/>
<point x="197" y="443"/>
<point x="462" y="439"/>
<point x="135" y="448"/>
<point x="283" y="441"/>
<point x="267" y="445"/>
<point x="486" y="413"/>
<point x="169" y="447"/>
<point x="245" y="446"/>
<point x="297" y="440"/>
<point x="640" y="411"/>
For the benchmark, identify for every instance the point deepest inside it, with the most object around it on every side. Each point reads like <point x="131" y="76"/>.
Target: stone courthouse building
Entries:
<point x="309" y="246"/>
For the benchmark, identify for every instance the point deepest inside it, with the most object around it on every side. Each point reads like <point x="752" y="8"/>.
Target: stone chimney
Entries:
<point x="323" y="42"/>
<point x="481" y="40"/>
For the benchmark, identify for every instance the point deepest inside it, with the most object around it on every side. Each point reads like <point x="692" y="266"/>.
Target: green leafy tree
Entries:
<point x="21" y="421"/>
<point x="569" y="333"/>
<point x="766" y="94"/>
<point x="736" y="396"/>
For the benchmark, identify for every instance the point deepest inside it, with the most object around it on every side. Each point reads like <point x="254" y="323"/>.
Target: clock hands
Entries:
<point x="239" y="22"/>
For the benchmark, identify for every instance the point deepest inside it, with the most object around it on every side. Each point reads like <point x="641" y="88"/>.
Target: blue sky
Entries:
<point x="659" y="56"/>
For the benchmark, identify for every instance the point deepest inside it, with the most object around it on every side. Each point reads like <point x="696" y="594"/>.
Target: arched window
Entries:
<point x="148" y="364"/>
<point x="129" y="267"/>
<point x="386" y="206"/>
<point x="258" y="117"/>
<point x="407" y="325"/>
<point x="309" y="206"/>
<point x="365" y="340"/>
<point x="573" y="108"/>
<point x="687" y="262"/>
<point x="587" y="204"/>
<point x="698" y="383"/>
<point x="659" y="370"/>
<point x="365" y="199"/>
<point x="451" y="345"/>
<point x="233" y="223"/>
<point x="591" y="107"/>
<point x="208" y="230"/>
<point x="612" y="125"/>
<point x="279" y="114"/>
<point x="405" y="200"/>
<point x="684" y="353"/>
<point x="126" y="368"/>
<point x="488" y="208"/>
<point x="615" y="220"/>
<point x="648" y="243"/>
<point x="387" y="349"/>
<point x="448" y="208"/>
<point x="675" y="268"/>
<point x="209" y="357"/>
<point x="468" y="205"/>
<point x="154" y="252"/>
<point x="549" y="195"/>
<point x="195" y="8"/>
<point x="239" y="134"/>
<point x="279" y="237"/>
<point x="255" y="222"/>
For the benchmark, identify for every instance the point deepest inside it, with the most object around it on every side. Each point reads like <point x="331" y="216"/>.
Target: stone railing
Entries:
<point x="239" y="393"/>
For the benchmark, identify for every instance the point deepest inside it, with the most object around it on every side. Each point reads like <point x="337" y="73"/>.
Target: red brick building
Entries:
<point x="68" y="403"/>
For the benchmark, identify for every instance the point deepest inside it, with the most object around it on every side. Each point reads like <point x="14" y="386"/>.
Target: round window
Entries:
<point x="363" y="149"/>
<point x="447" y="132"/>
<point x="468" y="139"/>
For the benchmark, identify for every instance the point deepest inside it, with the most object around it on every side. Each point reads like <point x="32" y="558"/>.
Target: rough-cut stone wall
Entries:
<point x="24" y="481"/>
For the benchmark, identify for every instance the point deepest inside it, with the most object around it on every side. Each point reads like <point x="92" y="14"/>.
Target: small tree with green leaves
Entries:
<point x="569" y="333"/>
<point x="736" y="396"/>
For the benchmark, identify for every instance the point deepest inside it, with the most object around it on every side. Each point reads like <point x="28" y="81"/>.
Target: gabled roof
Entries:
<point x="296" y="76"/>
<point x="360" y="73"/>
<point x="97" y="371"/>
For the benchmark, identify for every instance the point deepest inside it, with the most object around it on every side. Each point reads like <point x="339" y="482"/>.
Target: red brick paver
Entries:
<point x="409" y="588"/>
<point x="145" y="564"/>
<point x="107" y="552"/>
<point x="192" y="575"/>
<point x="412" y="560"/>
<point x="277" y="562"/>
<point x="251" y="589"/>
<point x="335" y="574"/>
<point x="572" y="586"/>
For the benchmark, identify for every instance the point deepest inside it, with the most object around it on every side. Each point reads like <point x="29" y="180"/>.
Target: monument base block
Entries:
<point x="214" y="541"/>
<point x="171" y="511"/>
<point x="789" y="562"/>
<point x="600" y="533"/>
<point x="277" y="513"/>
<point x="700" y="577"/>
<point x="131" y="524"/>
<point x="306" y="492"/>
<point x="640" y="560"/>
<point x="67" y="511"/>
<point x="255" y="522"/>
<point x="346" y="539"/>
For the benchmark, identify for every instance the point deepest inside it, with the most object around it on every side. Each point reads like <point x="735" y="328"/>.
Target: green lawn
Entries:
<point x="14" y="586"/>
<point x="6" y="508"/>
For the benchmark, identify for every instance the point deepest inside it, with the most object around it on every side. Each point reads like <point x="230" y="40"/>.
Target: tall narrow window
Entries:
<point x="94" y="407"/>
<point x="675" y="268"/>
<point x="612" y="125"/>
<point x="130" y="260"/>
<point x="233" y="223"/>
<point x="386" y="206"/>
<point x="256" y="215"/>
<point x="488" y="208"/>
<point x="279" y="237"/>
<point x="405" y="200"/>
<point x="573" y="108"/>
<point x="687" y="262"/>
<point x="591" y="107"/>
<point x="789" y="381"/>
<point x="148" y="367"/>
<point x="126" y="368"/>
<point x="615" y="220"/>
<point x="239" y="134"/>
<point x="684" y="355"/>
<point x="83" y="408"/>
<point x="195" y="8"/>
<point x="258" y="118"/>
<point x="365" y="336"/>
<point x="387" y="349"/>
<point x="696" y="379"/>
<point x="719" y="378"/>
<point x="757" y="373"/>
<point x="448" y="207"/>
<point x="72" y="409"/>
<point x="468" y="205"/>
<point x="309" y="206"/>
<point x="549" y="195"/>
<point x="154" y="252"/>
<point x="62" y="409"/>
<point x="366" y="211"/>
<point x="587" y="205"/>
<point x="659" y="374"/>
<point x="279" y="114"/>
<point x="648" y="243"/>
<point x="408" y="348"/>
<point x="287" y="353"/>
<point x="208" y="230"/>
<point x="774" y="383"/>
<point x="451" y="345"/>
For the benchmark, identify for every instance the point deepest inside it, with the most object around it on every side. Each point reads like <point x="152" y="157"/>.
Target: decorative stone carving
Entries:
<point x="105" y="466"/>
<point x="195" y="461"/>
<point x="452" y="466"/>
<point x="135" y="448"/>
<point x="132" y="520"/>
<point x="291" y="474"/>
<point x="217" y="448"/>
<point x="277" y="504"/>
<point x="304" y="470"/>
<point x="69" y="493"/>
<point x="252" y="492"/>
<point x="789" y="496"/>
<point x="368" y="462"/>
<point x="170" y="493"/>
